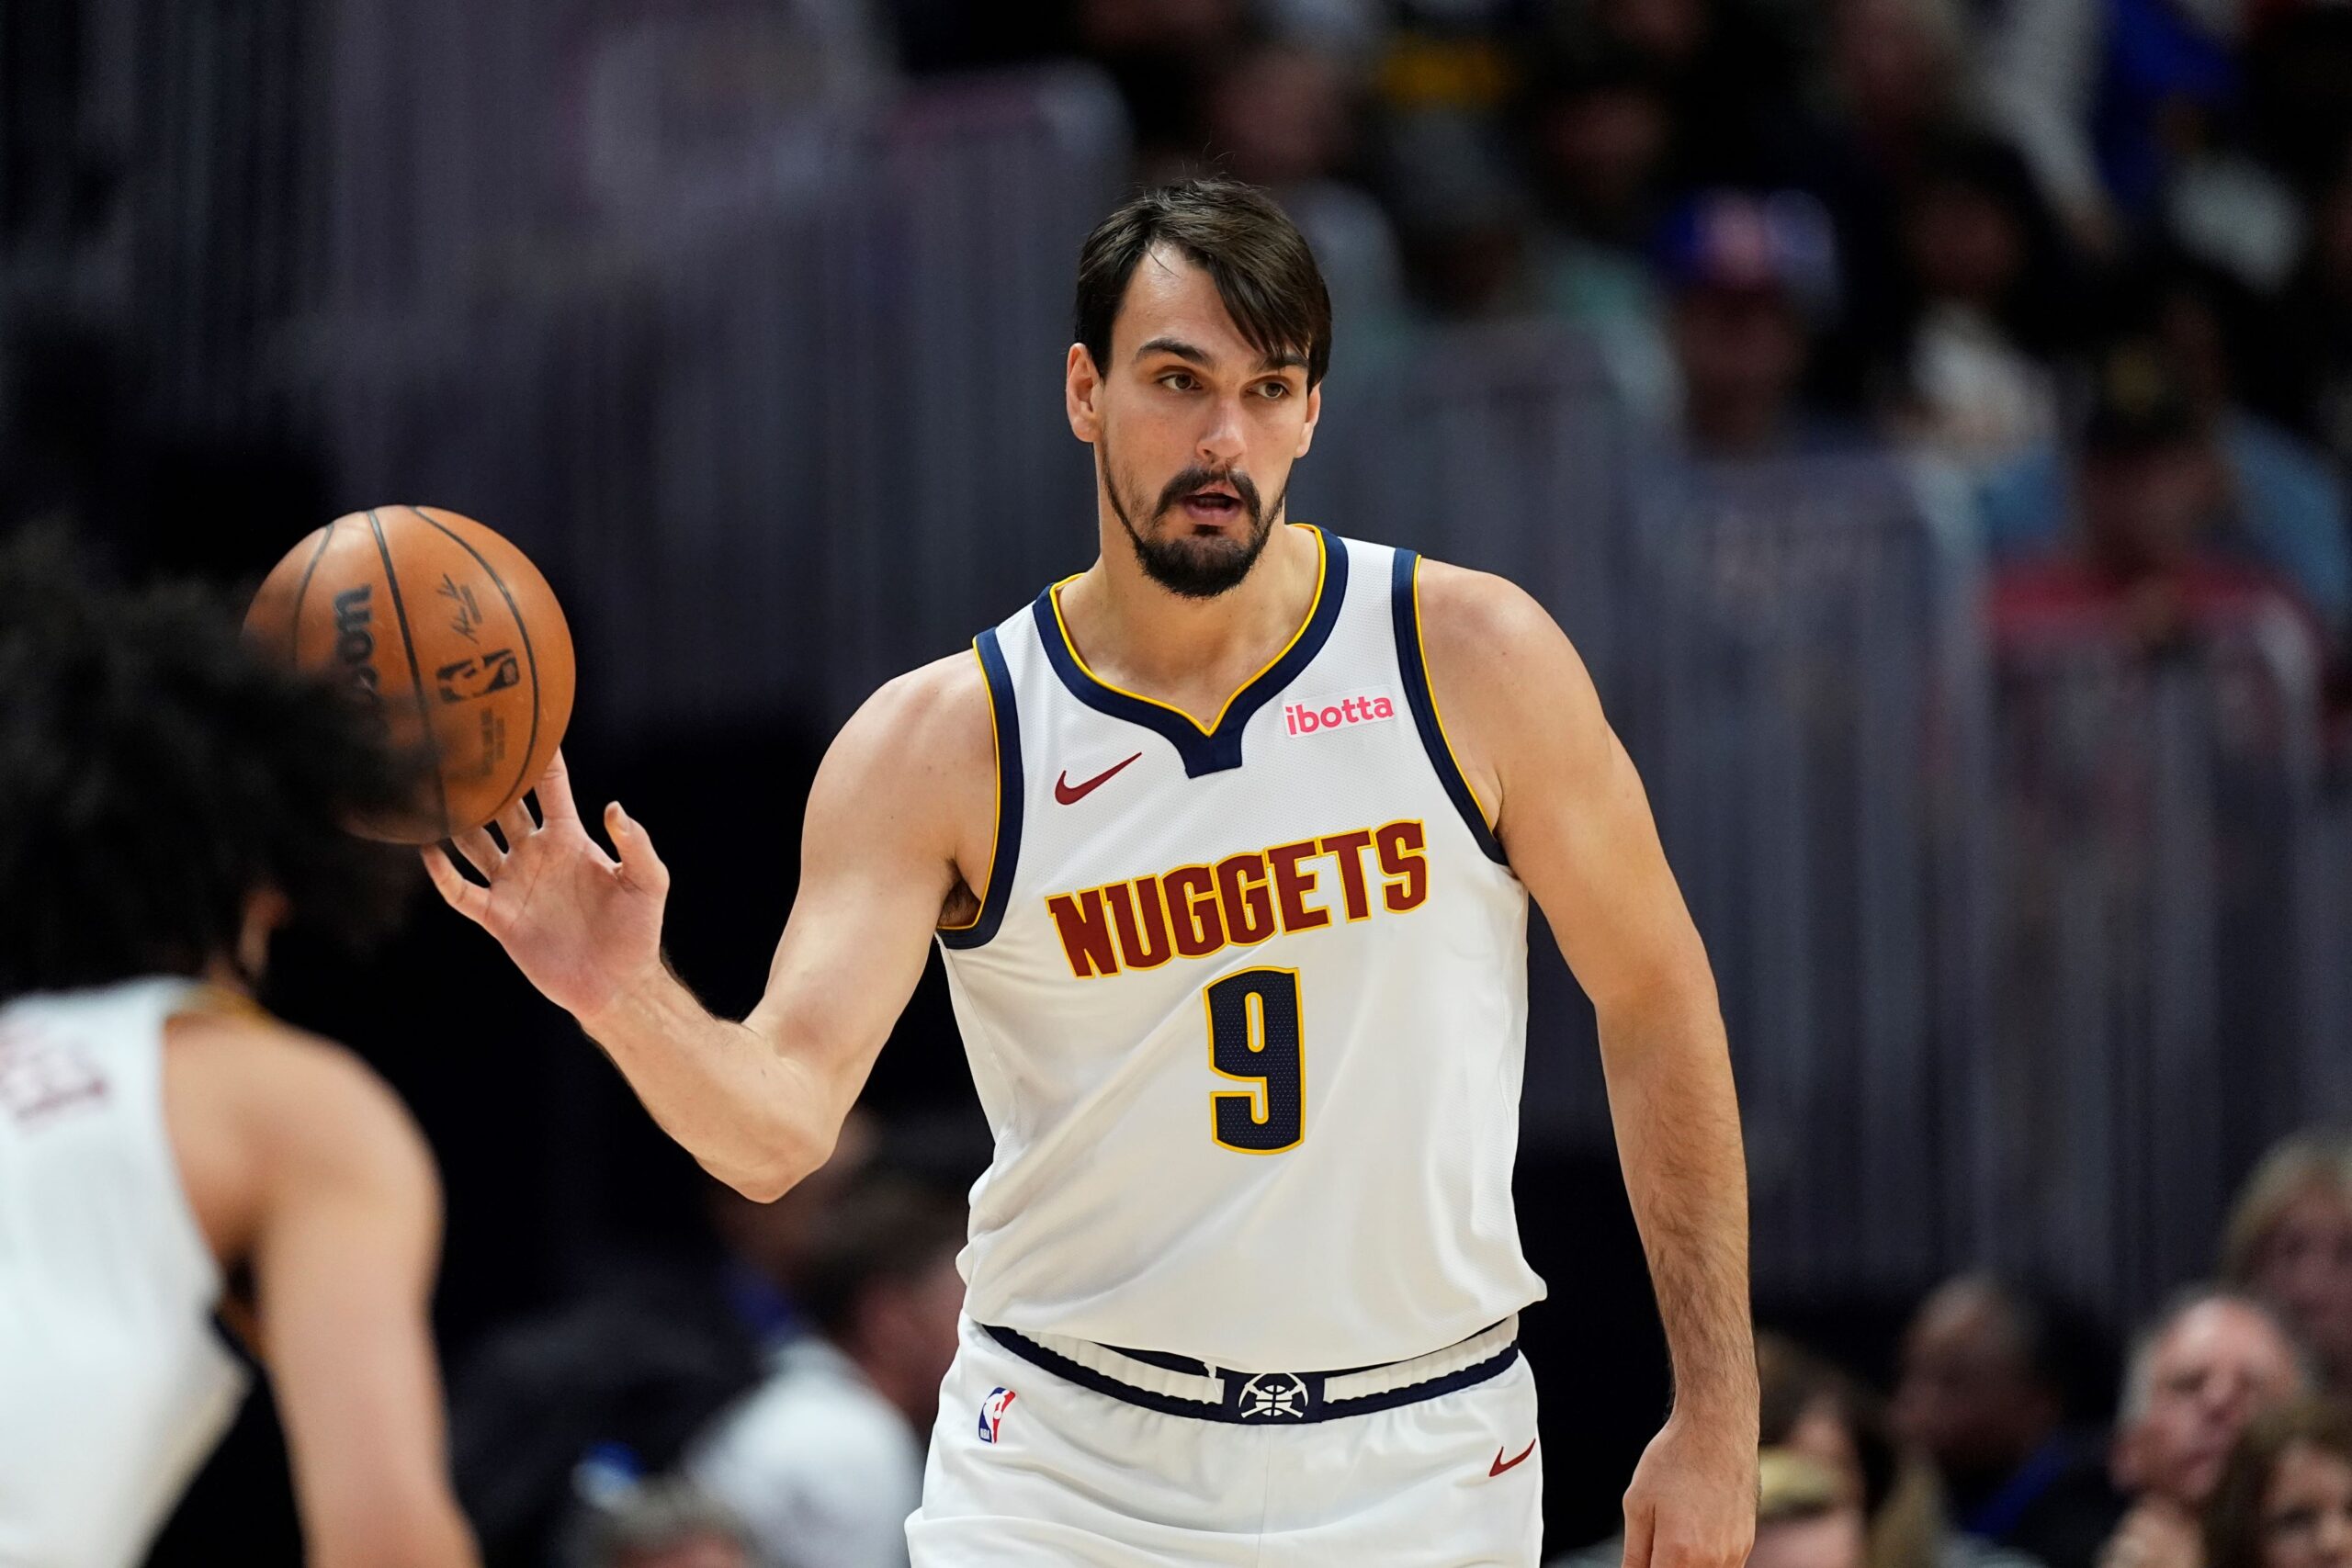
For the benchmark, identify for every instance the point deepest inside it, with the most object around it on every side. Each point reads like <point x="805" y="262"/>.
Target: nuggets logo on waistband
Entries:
<point x="1241" y="900"/>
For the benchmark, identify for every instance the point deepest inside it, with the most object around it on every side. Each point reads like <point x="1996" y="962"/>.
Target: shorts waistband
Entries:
<point x="1178" y="1385"/>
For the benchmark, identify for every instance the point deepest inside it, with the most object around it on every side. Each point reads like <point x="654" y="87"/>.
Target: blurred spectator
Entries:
<point x="1803" y="1518"/>
<point x="1462" y="216"/>
<point x="2167" y="383"/>
<point x="636" y="1370"/>
<point x="2290" y="1242"/>
<point x="1162" y="54"/>
<point x="2103" y="95"/>
<point x="1283" y="114"/>
<point x="1896" y="90"/>
<point x="641" y="1364"/>
<point x="1979" y="303"/>
<point x="1728" y="70"/>
<point x="657" y="1524"/>
<point x="1990" y="1377"/>
<point x="2315" y="393"/>
<point x="1979" y="307"/>
<point x="2285" y="1498"/>
<point x="1749" y="275"/>
<point x="1811" y="1409"/>
<point x="2292" y="508"/>
<point x="2210" y="1362"/>
<point x="1599" y="129"/>
<point x="769" y="1245"/>
<point x="824" y="1460"/>
<point x="2162" y="552"/>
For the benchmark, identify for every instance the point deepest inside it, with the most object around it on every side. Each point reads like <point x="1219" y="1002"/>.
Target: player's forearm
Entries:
<point x="433" y="1535"/>
<point x="750" y="1113"/>
<point x="1676" y="1117"/>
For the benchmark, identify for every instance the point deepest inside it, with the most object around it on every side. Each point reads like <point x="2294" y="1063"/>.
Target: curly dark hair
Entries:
<point x="155" y="774"/>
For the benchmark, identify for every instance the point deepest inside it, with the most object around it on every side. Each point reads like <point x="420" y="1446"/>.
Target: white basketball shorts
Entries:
<point x="1051" y="1451"/>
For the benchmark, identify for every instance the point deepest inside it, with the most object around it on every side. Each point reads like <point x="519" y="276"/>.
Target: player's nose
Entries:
<point x="1221" y="445"/>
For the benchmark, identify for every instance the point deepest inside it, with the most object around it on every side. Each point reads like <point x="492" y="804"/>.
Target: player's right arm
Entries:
<point x="900" y="820"/>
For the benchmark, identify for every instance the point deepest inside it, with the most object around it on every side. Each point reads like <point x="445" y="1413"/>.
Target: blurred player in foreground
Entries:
<point x="166" y="1150"/>
<point x="1228" y="841"/>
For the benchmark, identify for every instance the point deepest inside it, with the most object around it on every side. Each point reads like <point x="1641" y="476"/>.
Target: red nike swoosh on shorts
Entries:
<point x="1502" y="1464"/>
<point x="1069" y="795"/>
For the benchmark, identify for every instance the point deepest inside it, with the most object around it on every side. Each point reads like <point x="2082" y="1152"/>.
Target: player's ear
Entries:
<point x="1307" y="431"/>
<point x="265" y="909"/>
<point x="1082" y="385"/>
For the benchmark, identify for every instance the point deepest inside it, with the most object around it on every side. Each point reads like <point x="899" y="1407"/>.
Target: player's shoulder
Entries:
<point x="288" y="1103"/>
<point x="1468" y="616"/>
<point x="934" y="719"/>
<point x="920" y="750"/>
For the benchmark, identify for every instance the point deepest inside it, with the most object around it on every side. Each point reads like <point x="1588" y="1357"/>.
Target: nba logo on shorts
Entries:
<point x="992" y="1411"/>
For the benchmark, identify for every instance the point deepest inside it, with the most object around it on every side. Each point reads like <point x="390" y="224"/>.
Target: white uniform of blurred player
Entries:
<point x="1235" y="927"/>
<point x="169" y="798"/>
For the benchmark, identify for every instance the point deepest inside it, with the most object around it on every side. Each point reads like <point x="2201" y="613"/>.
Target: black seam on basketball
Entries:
<point x="415" y="676"/>
<point x="294" y="623"/>
<point x="521" y="630"/>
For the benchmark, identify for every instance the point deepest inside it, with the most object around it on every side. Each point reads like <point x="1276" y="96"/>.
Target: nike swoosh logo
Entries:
<point x="1502" y="1464"/>
<point x="1070" y="794"/>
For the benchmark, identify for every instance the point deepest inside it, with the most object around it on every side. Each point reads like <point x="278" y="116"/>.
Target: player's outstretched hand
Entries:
<point x="1692" y="1501"/>
<point x="578" y="923"/>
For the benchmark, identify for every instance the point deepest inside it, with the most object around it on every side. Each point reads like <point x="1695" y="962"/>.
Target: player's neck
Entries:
<point x="1135" y="633"/>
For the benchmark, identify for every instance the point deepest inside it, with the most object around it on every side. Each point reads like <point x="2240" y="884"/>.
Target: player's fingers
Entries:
<point x="556" y="804"/>
<point x="482" y="851"/>
<point x="1640" y="1527"/>
<point x="638" y="862"/>
<point x="460" y="894"/>
<point x="515" y="824"/>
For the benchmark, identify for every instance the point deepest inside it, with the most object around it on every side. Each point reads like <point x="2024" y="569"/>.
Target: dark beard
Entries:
<point x="1194" y="568"/>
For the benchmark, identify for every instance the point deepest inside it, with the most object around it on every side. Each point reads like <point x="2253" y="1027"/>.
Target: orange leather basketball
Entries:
<point x="448" y="632"/>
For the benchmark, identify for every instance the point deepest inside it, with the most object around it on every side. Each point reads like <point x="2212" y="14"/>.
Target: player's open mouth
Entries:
<point x="1214" y="504"/>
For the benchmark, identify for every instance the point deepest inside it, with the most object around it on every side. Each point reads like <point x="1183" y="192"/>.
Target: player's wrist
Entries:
<point x="637" y="1001"/>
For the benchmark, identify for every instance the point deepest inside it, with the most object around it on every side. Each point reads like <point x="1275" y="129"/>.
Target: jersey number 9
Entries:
<point x="1255" y="1038"/>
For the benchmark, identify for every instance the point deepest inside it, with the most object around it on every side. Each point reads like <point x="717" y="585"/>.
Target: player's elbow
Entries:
<point x="780" y="1166"/>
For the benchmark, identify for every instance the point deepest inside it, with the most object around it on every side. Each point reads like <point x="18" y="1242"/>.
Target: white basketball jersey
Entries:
<point x="1246" y="1005"/>
<point x="114" y="1385"/>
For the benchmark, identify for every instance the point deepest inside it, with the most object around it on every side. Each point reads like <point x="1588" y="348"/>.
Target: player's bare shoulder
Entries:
<point x="914" y="769"/>
<point x="1509" y="687"/>
<point x="256" y="1107"/>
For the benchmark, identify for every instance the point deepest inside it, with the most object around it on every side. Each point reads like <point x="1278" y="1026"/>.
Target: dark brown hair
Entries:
<point x="1256" y="256"/>
<point x="2234" y="1514"/>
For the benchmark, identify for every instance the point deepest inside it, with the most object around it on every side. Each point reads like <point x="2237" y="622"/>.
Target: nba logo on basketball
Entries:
<point x="992" y="1411"/>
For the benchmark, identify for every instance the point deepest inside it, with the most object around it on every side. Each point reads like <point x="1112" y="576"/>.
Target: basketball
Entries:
<point x="447" y="630"/>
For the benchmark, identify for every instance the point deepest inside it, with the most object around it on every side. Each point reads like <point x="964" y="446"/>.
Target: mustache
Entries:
<point x="1199" y="478"/>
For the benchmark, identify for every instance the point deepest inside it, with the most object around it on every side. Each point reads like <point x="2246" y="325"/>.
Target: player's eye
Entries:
<point x="1178" y="381"/>
<point x="1274" y="392"/>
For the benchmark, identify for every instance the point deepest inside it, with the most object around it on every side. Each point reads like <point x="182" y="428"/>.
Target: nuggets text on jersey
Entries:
<point x="1196" y="910"/>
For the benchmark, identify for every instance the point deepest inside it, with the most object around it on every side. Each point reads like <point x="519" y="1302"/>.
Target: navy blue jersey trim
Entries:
<point x="1009" y="796"/>
<point x="1210" y="750"/>
<point x="1405" y="609"/>
<point x="1230" y="1409"/>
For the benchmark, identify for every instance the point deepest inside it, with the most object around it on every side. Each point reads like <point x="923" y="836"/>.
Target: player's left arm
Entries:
<point x="1564" y="800"/>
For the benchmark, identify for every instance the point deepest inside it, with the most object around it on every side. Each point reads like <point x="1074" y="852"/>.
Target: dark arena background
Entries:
<point x="1930" y="418"/>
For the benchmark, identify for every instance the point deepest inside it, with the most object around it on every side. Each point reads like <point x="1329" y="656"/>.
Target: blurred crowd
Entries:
<point x="770" y="1410"/>
<point x="2011" y="1436"/>
<point x="773" y="1412"/>
<point x="2093" y="257"/>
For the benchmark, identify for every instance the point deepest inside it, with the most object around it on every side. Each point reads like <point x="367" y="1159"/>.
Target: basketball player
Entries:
<point x="1228" y="840"/>
<point x="166" y="1151"/>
